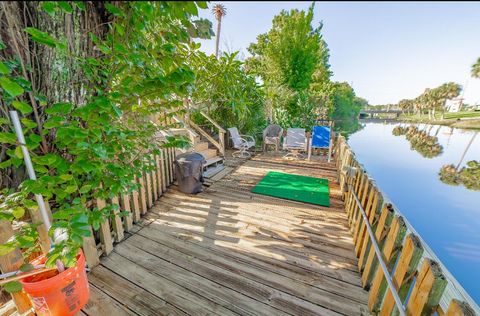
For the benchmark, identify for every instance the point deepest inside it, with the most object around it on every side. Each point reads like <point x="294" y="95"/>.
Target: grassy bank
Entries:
<point x="466" y="120"/>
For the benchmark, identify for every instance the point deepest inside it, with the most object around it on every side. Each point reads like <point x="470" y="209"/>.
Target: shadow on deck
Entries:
<point x="227" y="251"/>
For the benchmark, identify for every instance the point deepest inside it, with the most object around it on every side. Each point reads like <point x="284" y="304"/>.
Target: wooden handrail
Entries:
<point x="205" y="115"/>
<point x="221" y="131"/>
<point x="207" y="136"/>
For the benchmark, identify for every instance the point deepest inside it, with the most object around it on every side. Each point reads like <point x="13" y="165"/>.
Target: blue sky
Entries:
<point x="387" y="50"/>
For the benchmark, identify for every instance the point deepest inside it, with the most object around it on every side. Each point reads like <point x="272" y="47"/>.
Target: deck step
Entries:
<point x="221" y="174"/>
<point x="212" y="171"/>
<point x="201" y="146"/>
<point x="208" y="153"/>
<point x="212" y="161"/>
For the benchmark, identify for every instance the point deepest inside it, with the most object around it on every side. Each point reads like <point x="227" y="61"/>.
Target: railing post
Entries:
<point x="428" y="289"/>
<point x="221" y="139"/>
<point x="407" y="263"/>
<point x="458" y="308"/>
<point x="393" y="242"/>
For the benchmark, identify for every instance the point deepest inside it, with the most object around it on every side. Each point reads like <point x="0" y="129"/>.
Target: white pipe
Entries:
<point x="32" y="176"/>
<point x="28" y="164"/>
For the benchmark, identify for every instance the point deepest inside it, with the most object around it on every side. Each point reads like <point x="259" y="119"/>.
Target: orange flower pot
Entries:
<point x="54" y="293"/>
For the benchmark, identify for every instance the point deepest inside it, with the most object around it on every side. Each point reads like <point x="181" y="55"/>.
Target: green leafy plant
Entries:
<point x="227" y="92"/>
<point x="97" y="146"/>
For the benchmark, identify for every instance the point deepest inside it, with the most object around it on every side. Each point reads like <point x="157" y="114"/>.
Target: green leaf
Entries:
<point x="202" y="4"/>
<point x="6" y="163"/>
<point x="26" y="267"/>
<point x="80" y="5"/>
<point x="59" y="108"/>
<point x="49" y="7"/>
<point x="12" y="88"/>
<point x="85" y="188"/>
<point x="63" y="214"/>
<point x="113" y="9"/>
<point x="13" y="287"/>
<point x="52" y="258"/>
<point x="66" y="177"/>
<point x="18" y="152"/>
<point x="53" y="122"/>
<point x="65" y="6"/>
<point x="23" y="107"/>
<point x="28" y="123"/>
<point x="18" y="212"/>
<point x="4" y="69"/>
<point x="191" y="8"/>
<point x="8" y="138"/>
<point x="71" y="189"/>
<point x="41" y="37"/>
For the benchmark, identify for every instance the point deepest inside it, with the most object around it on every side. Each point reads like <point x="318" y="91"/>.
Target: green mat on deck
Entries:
<point x="294" y="187"/>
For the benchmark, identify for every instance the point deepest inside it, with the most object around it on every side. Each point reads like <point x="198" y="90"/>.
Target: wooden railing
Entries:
<point x="400" y="271"/>
<point x="221" y="132"/>
<point x="152" y="185"/>
<point x="220" y="144"/>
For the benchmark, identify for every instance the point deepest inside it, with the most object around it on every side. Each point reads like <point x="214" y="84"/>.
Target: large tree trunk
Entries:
<point x="52" y="75"/>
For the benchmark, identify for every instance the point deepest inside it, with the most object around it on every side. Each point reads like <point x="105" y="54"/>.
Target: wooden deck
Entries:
<point x="227" y="251"/>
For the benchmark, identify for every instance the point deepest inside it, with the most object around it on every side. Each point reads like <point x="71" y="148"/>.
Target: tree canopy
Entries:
<point x="292" y="62"/>
<point x="431" y="100"/>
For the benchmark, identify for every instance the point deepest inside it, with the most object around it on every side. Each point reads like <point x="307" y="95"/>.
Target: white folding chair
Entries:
<point x="295" y="142"/>
<point x="241" y="142"/>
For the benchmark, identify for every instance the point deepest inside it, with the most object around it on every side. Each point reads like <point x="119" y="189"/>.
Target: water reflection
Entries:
<point x="348" y="127"/>
<point x="428" y="146"/>
<point x="469" y="175"/>
<point x="420" y="140"/>
<point x="437" y="190"/>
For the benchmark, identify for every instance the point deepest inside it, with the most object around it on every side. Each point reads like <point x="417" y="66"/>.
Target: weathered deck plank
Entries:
<point x="227" y="251"/>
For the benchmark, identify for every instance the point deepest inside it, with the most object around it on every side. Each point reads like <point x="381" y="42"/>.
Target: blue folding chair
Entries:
<point x="322" y="139"/>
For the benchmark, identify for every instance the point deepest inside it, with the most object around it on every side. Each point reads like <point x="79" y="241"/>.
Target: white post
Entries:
<point x="28" y="164"/>
<point x="32" y="176"/>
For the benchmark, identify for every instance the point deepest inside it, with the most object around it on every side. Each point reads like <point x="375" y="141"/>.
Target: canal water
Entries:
<point x="406" y="162"/>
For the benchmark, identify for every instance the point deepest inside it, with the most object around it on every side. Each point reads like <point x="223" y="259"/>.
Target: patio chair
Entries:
<point x="295" y="142"/>
<point x="321" y="139"/>
<point x="241" y="142"/>
<point x="271" y="136"/>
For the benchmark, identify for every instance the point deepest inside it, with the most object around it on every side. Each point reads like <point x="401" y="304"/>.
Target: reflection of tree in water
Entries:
<point x="348" y="127"/>
<point x="420" y="141"/>
<point x="469" y="175"/>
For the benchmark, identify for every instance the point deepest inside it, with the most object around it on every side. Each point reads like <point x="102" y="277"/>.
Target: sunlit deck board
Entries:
<point x="228" y="251"/>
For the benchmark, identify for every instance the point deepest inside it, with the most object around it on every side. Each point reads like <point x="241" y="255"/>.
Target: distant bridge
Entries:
<point x="374" y="113"/>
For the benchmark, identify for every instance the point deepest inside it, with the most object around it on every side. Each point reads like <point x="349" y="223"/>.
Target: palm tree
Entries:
<point x="448" y="91"/>
<point x="218" y="11"/>
<point x="476" y="69"/>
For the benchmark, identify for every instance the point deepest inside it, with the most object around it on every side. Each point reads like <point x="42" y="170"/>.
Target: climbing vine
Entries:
<point x="92" y="141"/>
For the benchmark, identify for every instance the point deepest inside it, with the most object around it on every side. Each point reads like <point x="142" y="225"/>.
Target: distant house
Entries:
<point x="454" y="105"/>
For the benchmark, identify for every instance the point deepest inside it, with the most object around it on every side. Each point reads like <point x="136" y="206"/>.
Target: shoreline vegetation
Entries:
<point x="464" y="120"/>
